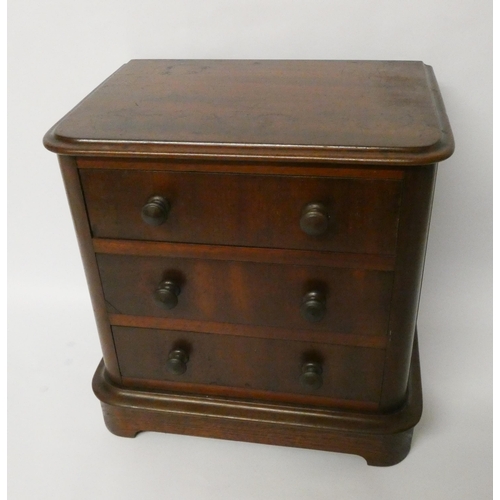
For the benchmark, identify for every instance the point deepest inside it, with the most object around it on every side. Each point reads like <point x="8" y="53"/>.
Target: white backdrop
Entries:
<point x="58" y="446"/>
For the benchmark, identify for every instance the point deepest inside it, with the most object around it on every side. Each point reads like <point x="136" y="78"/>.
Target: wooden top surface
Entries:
<point x="341" y="111"/>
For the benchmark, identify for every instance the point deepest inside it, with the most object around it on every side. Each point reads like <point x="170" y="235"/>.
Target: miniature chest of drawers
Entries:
<point x="253" y="235"/>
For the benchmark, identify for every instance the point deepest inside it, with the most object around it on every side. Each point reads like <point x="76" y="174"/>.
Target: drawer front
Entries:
<point x="351" y="373"/>
<point x="355" y="215"/>
<point x="354" y="301"/>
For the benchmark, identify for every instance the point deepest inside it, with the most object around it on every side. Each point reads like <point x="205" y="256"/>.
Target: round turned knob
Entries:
<point x="166" y="294"/>
<point x="311" y="376"/>
<point x="155" y="211"/>
<point x="314" y="219"/>
<point x="177" y="362"/>
<point x="313" y="306"/>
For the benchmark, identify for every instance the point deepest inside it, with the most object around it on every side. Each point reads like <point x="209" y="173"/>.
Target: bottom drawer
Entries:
<point x="250" y="364"/>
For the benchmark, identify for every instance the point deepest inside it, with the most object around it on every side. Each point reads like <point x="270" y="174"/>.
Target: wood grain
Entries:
<point x="247" y="363"/>
<point x="357" y="301"/>
<point x="321" y="336"/>
<point x="339" y="111"/>
<point x="245" y="167"/>
<point x="253" y="235"/>
<point x="412" y="241"/>
<point x="256" y="211"/>
<point x="245" y="254"/>
<point x="383" y="439"/>
<point x="76" y="201"/>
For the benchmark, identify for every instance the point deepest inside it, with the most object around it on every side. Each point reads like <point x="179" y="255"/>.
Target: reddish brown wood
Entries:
<point x="357" y="301"/>
<point x="344" y="111"/>
<point x="255" y="233"/>
<point x="352" y="373"/>
<point x="412" y="240"/>
<point x="246" y="254"/>
<point x="251" y="394"/>
<point x="325" y="337"/>
<point x="380" y="449"/>
<point x="385" y="172"/>
<point x="383" y="439"/>
<point x="80" y="221"/>
<point x="258" y="211"/>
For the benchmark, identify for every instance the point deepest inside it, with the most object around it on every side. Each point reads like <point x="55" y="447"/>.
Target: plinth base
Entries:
<point x="381" y="439"/>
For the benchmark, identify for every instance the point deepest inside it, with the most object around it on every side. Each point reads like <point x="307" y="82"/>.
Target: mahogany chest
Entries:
<point x="253" y="235"/>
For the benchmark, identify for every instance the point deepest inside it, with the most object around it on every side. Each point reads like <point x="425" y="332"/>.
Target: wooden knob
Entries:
<point x="313" y="306"/>
<point x="177" y="362"/>
<point x="314" y="219"/>
<point x="155" y="211"/>
<point x="311" y="376"/>
<point x="166" y="294"/>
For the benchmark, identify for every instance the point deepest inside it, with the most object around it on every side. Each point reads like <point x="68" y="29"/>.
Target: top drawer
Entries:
<point x="355" y="215"/>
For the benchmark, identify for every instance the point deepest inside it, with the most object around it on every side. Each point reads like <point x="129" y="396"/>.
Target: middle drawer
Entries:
<point x="344" y="301"/>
